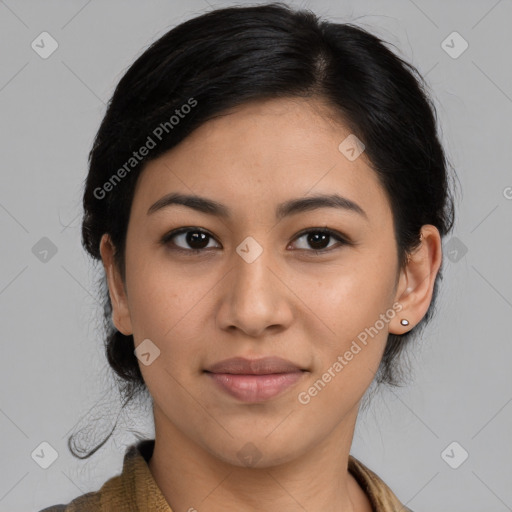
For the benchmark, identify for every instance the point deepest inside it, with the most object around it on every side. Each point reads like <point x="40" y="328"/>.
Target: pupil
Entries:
<point x="323" y="236"/>
<point x="194" y="236"/>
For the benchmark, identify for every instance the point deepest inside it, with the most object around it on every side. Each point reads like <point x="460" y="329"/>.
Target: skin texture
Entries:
<point x="292" y="302"/>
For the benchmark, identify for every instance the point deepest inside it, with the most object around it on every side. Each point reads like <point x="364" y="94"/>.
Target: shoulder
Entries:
<point x="120" y="491"/>
<point x="381" y="497"/>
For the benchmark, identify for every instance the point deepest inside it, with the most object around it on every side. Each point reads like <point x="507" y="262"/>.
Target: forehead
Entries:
<point x="263" y="152"/>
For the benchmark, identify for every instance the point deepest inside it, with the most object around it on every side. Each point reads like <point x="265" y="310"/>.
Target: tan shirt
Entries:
<point x="135" y="489"/>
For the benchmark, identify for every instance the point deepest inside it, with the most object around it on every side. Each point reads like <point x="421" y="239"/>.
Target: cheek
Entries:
<point x="356" y="305"/>
<point x="161" y="297"/>
<point x="165" y="309"/>
<point x="168" y="307"/>
<point x="357" y="312"/>
<point x="353" y="300"/>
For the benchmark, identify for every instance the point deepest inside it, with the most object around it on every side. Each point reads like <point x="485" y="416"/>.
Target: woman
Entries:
<point x="267" y="194"/>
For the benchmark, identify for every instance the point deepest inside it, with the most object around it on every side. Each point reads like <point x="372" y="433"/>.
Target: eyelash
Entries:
<point x="324" y="231"/>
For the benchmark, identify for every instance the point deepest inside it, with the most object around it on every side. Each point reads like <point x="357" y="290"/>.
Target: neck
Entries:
<point x="191" y="478"/>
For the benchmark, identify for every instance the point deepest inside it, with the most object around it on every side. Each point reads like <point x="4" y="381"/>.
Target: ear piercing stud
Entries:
<point x="404" y="321"/>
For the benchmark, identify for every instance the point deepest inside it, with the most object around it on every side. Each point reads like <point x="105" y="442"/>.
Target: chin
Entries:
<point x="259" y="453"/>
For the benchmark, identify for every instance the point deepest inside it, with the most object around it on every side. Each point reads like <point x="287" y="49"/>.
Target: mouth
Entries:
<point x="254" y="380"/>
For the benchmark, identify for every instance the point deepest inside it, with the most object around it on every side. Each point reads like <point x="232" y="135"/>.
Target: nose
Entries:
<point x="255" y="297"/>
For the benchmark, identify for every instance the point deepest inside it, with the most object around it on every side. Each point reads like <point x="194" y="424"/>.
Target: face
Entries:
<point x="254" y="277"/>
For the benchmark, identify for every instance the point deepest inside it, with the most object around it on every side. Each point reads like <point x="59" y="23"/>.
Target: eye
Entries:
<point x="318" y="237"/>
<point x="196" y="238"/>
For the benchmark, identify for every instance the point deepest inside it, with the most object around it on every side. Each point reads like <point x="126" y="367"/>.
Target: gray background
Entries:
<point x="53" y="369"/>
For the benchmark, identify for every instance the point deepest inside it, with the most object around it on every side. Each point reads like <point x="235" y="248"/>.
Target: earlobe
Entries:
<point x="117" y="292"/>
<point x="417" y="280"/>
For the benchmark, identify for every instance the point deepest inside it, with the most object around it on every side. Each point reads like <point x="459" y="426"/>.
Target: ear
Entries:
<point x="417" y="279"/>
<point x="120" y="310"/>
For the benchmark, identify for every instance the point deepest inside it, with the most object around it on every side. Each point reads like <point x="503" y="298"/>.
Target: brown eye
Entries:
<point x="318" y="239"/>
<point x="188" y="239"/>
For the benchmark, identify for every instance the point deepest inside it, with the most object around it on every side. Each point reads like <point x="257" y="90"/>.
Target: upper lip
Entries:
<point x="262" y="366"/>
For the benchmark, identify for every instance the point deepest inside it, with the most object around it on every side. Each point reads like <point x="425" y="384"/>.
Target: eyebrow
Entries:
<point x="291" y="207"/>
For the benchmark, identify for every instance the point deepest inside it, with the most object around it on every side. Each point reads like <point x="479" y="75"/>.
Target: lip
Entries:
<point x="262" y="366"/>
<point x="254" y="380"/>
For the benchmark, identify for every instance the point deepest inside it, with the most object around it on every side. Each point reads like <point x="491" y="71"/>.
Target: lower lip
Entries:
<point x="255" y="388"/>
